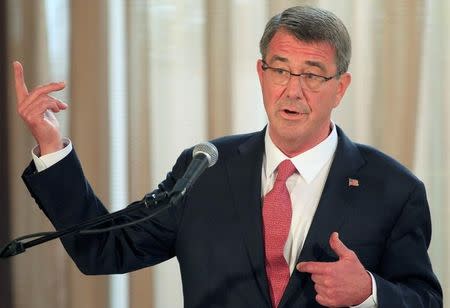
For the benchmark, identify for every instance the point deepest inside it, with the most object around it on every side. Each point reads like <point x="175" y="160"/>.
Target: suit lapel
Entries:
<point x="333" y="209"/>
<point x="244" y="172"/>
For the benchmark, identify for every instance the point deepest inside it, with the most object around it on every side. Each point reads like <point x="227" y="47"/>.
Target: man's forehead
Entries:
<point x="285" y="47"/>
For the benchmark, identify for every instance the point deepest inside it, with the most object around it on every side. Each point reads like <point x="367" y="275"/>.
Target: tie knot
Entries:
<point x="285" y="169"/>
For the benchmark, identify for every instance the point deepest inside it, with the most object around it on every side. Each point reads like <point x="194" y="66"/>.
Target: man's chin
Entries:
<point x="289" y="135"/>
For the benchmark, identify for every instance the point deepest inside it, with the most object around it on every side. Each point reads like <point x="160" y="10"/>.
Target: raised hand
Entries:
<point x="342" y="283"/>
<point x="36" y="108"/>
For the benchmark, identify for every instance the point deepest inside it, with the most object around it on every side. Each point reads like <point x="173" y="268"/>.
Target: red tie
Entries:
<point x="277" y="213"/>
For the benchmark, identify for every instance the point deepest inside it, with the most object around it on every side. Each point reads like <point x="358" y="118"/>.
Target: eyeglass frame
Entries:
<point x="266" y="66"/>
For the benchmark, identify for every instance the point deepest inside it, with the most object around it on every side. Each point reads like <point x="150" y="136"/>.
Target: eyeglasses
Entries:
<point x="280" y="76"/>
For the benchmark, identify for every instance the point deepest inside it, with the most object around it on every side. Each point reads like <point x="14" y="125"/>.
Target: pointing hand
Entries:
<point x="341" y="283"/>
<point x="37" y="109"/>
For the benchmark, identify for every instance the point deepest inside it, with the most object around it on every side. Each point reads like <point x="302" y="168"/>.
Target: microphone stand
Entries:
<point x="156" y="202"/>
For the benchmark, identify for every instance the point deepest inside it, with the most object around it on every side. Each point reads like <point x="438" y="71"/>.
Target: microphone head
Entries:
<point x="209" y="150"/>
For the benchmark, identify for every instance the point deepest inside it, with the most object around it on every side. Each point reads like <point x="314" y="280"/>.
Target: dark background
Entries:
<point x="5" y="264"/>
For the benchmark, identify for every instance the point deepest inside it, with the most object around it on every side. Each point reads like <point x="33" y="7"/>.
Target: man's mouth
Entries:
<point x="293" y="112"/>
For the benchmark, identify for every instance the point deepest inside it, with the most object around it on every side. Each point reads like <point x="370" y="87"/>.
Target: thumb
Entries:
<point x="338" y="247"/>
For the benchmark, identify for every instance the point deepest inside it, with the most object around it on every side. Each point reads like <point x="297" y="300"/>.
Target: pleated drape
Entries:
<point x="190" y="76"/>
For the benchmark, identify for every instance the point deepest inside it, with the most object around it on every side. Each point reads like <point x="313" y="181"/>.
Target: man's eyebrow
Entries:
<point x="316" y="64"/>
<point x="279" y="58"/>
<point x="307" y="62"/>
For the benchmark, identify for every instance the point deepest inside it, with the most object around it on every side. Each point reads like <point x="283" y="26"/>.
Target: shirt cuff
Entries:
<point x="48" y="160"/>
<point x="371" y="301"/>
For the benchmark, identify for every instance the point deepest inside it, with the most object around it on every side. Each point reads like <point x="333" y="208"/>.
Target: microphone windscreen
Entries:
<point x="207" y="149"/>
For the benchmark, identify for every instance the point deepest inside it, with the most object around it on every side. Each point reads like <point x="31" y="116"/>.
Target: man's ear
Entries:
<point x="259" y="70"/>
<point x="343" y="83"/>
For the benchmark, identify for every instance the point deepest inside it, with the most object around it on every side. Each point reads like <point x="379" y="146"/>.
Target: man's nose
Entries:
<point x="294" y="89"/>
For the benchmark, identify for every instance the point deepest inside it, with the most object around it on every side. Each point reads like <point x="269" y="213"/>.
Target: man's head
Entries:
<point x="303" y="75"/>
<point x="311" y="25"/>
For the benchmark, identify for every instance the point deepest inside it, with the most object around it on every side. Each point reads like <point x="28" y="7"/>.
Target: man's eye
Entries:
<point x="280" y="71"/>
<point x="310" y="76"/>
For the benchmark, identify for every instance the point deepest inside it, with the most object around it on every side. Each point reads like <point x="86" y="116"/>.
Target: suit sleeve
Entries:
<point x="406" y="278"/>
<point x="67" y="199"/>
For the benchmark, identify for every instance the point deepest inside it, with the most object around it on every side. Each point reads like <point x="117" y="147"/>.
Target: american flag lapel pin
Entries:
<point x="353" y="182"/>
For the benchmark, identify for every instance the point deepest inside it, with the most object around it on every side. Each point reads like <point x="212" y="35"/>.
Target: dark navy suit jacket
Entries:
<point x="216" y="232"/>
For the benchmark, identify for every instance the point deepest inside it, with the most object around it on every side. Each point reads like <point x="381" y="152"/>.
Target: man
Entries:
<point x="296" y="215"/>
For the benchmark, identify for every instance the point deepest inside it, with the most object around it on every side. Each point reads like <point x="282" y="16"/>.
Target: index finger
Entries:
<point x="21" y="87"/>
<point x="314" y="267"/>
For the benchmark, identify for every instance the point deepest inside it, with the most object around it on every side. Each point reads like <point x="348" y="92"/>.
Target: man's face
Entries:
<point x="299" y="118"/>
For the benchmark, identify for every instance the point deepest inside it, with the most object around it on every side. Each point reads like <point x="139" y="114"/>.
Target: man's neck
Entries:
<point x="294" y="147"/>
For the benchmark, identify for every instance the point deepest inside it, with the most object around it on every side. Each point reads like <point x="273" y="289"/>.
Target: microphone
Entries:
<point x="204" y="156"/>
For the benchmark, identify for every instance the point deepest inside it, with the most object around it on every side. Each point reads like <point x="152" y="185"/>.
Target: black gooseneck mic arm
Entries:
<point x="156" y="202"/>
<point x="204" y="155"/>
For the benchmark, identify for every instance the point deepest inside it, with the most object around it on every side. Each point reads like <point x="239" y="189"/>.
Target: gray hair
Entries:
<point x="310" y="24"/>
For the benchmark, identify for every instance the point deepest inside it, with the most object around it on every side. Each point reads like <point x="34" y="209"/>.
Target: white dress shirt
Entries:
<point x="305" y="188"/>
<point x="48" y="160"/>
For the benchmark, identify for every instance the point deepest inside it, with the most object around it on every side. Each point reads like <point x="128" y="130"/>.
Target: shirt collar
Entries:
<point x="308" y="163"/>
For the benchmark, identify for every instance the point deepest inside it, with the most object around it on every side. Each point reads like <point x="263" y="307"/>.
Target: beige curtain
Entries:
<point x="47" y="261"/>
<point x="432" y="138"/>
<point x="190" y="76"/>
<point x="138" y="62"/>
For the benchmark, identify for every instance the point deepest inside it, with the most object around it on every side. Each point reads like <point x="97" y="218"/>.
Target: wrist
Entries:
<point x="45" y="149"/>
<point x="367" y="289"/>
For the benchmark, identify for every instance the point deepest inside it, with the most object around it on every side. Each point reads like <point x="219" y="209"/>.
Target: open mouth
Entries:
<point x="291" y="111"/>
